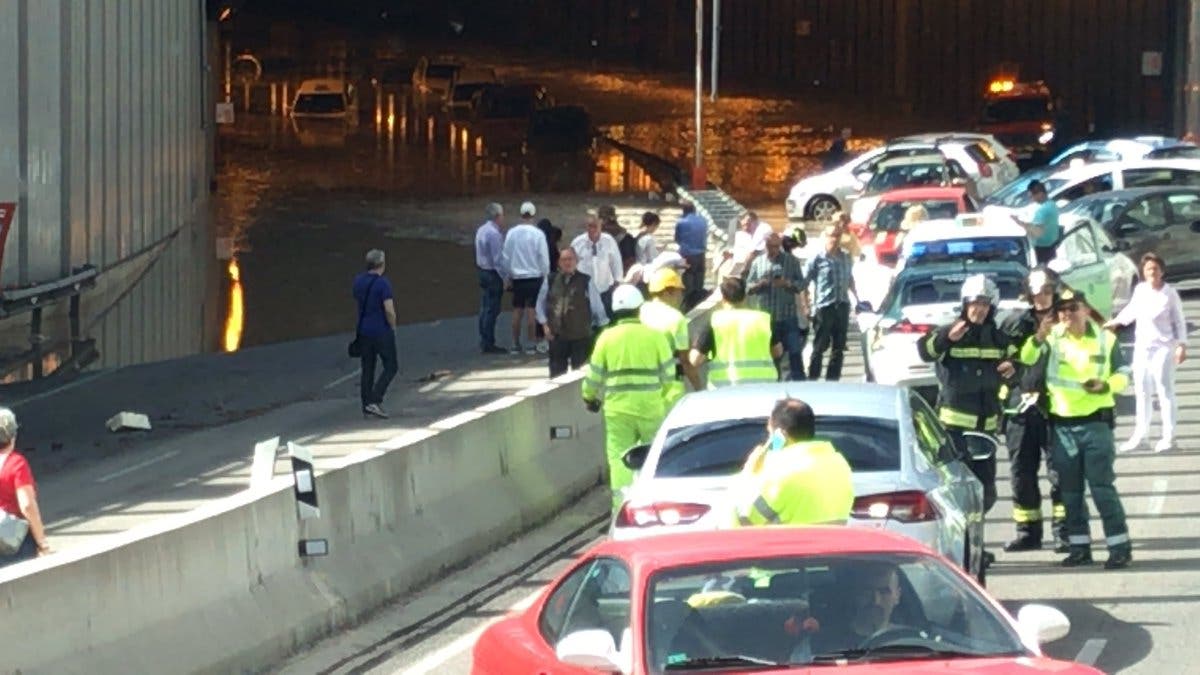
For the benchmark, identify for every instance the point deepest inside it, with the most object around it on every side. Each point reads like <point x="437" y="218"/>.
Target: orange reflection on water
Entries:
<point x="235" y="320"/>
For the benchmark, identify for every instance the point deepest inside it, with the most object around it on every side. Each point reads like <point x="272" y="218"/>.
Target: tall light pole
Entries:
<point x="699" y="161"/>
<point x="716" y="50"/>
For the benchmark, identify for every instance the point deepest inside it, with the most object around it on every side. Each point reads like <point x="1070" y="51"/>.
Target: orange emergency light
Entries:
<point x="1001" y="85"/>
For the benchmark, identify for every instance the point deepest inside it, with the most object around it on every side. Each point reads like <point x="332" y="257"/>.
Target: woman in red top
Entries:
<point x="18" y="494"/>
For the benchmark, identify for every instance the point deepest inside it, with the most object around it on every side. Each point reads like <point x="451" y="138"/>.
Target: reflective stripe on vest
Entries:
<point x="629" y="369"/>
<point x="1064" y="384"/>
<point x="742" y="346"/>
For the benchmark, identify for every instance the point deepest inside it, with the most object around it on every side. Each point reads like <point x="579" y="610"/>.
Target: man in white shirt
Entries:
<point x="600" y="259"/>
<point x="525" y="261"/>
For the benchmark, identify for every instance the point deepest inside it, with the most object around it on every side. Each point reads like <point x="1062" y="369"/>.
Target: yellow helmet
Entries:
<point x="664" y="278"/>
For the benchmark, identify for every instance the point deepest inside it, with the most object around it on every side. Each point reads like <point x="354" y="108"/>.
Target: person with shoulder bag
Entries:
<point x="375" y="334"/>
<point x="22" y="535"/>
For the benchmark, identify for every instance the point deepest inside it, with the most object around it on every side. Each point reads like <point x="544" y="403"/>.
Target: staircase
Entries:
<point x="721" y="212"/>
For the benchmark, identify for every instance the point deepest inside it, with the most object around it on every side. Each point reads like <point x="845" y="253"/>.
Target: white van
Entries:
<point x="325" y="99"/>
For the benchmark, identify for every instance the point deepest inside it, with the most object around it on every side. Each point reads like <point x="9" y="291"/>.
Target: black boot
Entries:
<point x="1079" y="556"/>
<point x="1029" y="538"/>
<point x="1118" y="559"/>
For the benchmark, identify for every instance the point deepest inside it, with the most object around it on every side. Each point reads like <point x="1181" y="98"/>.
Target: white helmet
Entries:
<point x="980" y="287"/>
<point x="626" y="297"/>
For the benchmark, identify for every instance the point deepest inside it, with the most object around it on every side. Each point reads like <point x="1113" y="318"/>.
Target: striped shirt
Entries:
<point x="830" y="276"/>
<point x="779" y="302"/>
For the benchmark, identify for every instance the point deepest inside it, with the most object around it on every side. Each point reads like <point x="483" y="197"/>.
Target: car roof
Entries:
<point x="754" y="401"/>
<point x="917" y="193"/>
<point x="945" y="137"/>
<point x="1099" y="168"/>
<point x="322" y="86"/>
<point x="940" y="229"/>
<point x="914" y="160"/>
<point x="1133" y="193"/>
<point x="676" y="549"/>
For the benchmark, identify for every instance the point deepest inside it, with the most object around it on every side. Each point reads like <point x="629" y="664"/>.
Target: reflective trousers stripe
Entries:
<point x="966" y="420"/>
<point x="1021" y="515"/>
<point x="1060" y="511"/>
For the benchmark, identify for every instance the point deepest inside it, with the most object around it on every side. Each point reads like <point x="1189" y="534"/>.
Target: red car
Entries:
<point x="882" y="229"/>
<point x="768" y="600"/>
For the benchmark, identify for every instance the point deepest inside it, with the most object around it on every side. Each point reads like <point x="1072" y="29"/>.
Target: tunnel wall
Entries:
<point x="105" y="140"/>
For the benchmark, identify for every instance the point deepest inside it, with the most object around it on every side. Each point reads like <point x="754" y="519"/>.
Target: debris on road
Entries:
<point x="128" y="420"/>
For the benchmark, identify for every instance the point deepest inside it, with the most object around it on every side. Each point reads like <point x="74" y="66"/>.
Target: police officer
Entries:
<point x="972" y="356"/>
<point x="1026" y="423"/>
<point x="737" y="340"/>
<point x="662" y="314"/>
<point x="794" y="479"/>
<point x="1084" y="371"/>
<point x="629" y="375"/>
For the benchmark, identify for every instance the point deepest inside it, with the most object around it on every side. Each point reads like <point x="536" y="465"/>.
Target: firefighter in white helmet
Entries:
<point x="972" y="357"/>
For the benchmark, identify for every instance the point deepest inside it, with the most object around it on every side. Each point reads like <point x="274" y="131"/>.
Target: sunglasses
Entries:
<point x="1069" y="308"/>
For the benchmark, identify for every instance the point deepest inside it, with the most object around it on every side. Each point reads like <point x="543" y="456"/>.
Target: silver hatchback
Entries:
<point x="909" y="476"/>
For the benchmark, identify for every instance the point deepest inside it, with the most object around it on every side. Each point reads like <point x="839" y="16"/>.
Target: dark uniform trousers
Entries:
<point x="1027" y="436"/>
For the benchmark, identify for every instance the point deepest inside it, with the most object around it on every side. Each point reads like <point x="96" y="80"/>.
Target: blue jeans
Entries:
<point x="491" y="288"/>
<point x="787" y="333"/>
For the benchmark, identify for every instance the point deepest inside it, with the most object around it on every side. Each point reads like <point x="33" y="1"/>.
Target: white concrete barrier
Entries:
<point x="222" y="589"/>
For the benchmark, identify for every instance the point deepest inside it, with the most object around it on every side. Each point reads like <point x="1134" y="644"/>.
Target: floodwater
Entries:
<point x="299" y="203"/>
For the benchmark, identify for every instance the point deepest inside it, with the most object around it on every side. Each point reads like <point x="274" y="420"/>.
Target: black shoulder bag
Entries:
<point x="354" y="349"/>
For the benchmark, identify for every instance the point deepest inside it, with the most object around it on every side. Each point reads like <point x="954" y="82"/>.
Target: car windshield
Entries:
<point x="1016" y="193"/>
<point x="907" y="175"/>
<point x="889" y="215"/>
<point x="755" y="613"/>
<point x="721" y="448"/>
<point x="1099" y="210"/>
<point x="1015" y="249"/>
<point x="320" y="104"/>
<point x="440" y="71"/>
<point x="464" y="92"/>
<point x="920" y="289"/>
<point x="1016" y="110"/>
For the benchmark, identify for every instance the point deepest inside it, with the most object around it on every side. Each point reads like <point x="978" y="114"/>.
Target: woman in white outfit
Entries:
<point x="1159" y="344"/>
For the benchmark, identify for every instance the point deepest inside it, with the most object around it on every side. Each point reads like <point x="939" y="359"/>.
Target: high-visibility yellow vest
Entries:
<point x="742" y="346"/>
<point x="631" y="370"/>
<point x="1073" y="361"/>
<point x="806" y="483"/>
<point x="673" y="324"/>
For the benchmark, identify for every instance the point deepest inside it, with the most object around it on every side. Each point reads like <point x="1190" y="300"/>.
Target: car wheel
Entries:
<point x="822" y="207"/>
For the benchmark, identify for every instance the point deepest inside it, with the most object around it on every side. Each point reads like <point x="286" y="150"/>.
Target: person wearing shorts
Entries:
<point x="526" y="262"/>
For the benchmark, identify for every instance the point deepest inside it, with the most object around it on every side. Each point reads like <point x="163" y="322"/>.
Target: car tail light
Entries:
<point x="904" y="507"/>
<point x="660" y="513"/>
<point x="906" y="326"/>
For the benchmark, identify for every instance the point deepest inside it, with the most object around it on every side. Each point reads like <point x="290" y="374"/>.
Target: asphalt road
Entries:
<point x="1139" y="620"/>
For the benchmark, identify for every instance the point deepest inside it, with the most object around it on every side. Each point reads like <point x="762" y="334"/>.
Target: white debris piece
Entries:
<point x="128" y="420"/>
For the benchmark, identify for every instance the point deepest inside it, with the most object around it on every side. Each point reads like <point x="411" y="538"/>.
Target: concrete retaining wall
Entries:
<point x="222" y="589"/>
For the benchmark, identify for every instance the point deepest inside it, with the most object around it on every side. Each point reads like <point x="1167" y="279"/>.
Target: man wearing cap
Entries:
<point x="1084" y="371"/>
<point x="525" y="263"/>
<point x="1043" y="228"/>
<point x="662" y="314"/>
<point x="776" y="279"/>
<point x="629" y="376"/>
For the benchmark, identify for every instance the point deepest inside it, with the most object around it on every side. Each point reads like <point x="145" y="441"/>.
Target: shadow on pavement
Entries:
<point x="1127" y="644"/>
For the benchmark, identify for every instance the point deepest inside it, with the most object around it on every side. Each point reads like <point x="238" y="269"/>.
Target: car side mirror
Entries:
<point x="635" y="457"/>
<point x="979" y="446"/>
<point x="864" y="307"/>
<point x="593" y="649"/>
<point x="1041" y="622"/>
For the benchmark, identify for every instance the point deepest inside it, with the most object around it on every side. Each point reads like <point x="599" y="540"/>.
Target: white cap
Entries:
<point x="528" y="209"/>
<point x="626" y="297"/>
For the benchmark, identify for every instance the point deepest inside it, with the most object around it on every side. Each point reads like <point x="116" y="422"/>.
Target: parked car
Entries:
<point x="1165" y="220"/>
<point x="433" y="76"/>
<point x="903" y="481"/>
<point x="818" y="197"/>
<point x="997" y="163"/>
<point x="325" y="99"/>
<point x="879" y="232"/>
<point x="1124" y="149"/>
<point x="922" y="298"/>
<point x="932" y="170"/>
<point x="501" y="113"/>
<point x="768" y="600"/>
<point x="561" y="129"/>
<point x="1072" y="183"/>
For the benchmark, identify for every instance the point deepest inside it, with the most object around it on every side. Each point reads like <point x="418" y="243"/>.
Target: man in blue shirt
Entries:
<point x="489" y="244"/>
<point x="1043" y="229"/>
<point x="375" y="333"/>
<point x="691" y="233"/>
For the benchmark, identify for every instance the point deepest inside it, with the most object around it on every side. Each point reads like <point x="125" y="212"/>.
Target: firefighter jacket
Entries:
<point x="1029" y="381"/>
<point x="969" y="384"/>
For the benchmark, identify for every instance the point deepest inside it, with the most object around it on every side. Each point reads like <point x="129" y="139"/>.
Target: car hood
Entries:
<point x="996" y="666"/>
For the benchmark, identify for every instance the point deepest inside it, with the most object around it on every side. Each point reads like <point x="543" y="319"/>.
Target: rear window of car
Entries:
<point x="320" y="104"/>
<point x="721" y="448"/>
<point x="888" y="216"/>
<point x="942" y="289"/>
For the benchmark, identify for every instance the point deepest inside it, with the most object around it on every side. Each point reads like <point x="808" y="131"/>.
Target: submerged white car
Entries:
<point x="909" y="476"/>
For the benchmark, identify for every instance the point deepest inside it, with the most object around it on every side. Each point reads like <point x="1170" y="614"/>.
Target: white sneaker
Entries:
<point x="1164" y="445"/>
<point x="1131" y="444"/>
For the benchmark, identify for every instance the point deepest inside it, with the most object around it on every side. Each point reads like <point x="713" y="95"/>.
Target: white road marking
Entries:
<point x="1090" y="651"/>
<point x="438" y="658"/>
<point x="342" y="379"/>
<point x="140" y="465"/>
<point x="81" y="380"/>
<point x="1160" y="496"/>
